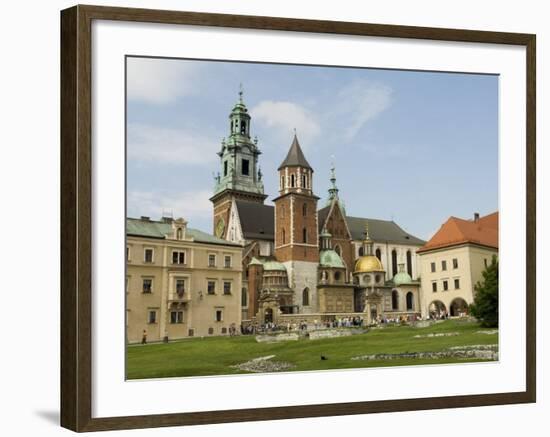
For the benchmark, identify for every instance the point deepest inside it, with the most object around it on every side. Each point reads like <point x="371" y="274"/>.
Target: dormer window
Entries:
<point x="179" y="234"/>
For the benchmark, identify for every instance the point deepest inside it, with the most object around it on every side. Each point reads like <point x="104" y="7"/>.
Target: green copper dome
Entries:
<point x="402" y="278"/>
<point x="274" y="265"/>
<point x="329" y="258"/>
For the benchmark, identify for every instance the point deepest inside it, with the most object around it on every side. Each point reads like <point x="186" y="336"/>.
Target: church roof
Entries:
<point x="295" y="157"/>
<point x="159" y="229"/>
<point x="257" y="220"/>
<point x="455" y="231"/>
<point x="379" y="230"/>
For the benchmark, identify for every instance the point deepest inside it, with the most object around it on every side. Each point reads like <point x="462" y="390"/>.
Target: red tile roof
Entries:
<point x="455" y="231"/>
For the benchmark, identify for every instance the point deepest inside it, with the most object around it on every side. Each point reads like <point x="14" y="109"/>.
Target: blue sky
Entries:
<point x="415" y="147"/>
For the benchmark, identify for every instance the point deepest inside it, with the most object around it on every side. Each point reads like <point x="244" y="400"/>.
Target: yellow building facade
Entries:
<point x="453" y="261"/>
<point x="180" y="282"/>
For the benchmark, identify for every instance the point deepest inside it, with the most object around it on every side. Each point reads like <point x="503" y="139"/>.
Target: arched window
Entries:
<point x="394" y="262"/>
<point x="304" y="209"/>
<point x="244" y="298"/>
<point x="243" y="127"/>
<point x="305" y="297"/>
<point x="179" y="234"/>
<point x="337" y="276"/>
<point x="410" y="301"/>
<point x="378" y="254"/>
<point x="394" y="300"/>
<point x="338" y="249"/>
<point x="292" y="180"/>
<point x="409" y="263"/>
<point x="361" y="251"/>
<point x="304" y="235"/>
<point x="284" y="236"/>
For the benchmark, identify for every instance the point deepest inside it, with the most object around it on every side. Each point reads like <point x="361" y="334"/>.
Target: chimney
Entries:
<point x="476" y="217"/>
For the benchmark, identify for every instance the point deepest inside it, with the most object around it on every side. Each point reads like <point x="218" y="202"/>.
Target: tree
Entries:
<point x="485" y="306"/>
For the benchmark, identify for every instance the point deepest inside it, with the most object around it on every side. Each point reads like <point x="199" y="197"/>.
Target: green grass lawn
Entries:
<point x="216" y="355"/>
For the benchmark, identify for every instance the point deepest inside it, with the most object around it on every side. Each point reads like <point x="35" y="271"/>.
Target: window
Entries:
<point x="180" y="287"/>
<point x="361" y="251"/>
<point x="152" y="316"/>
<point x="409" y="263"/>
<point x="148" y="256"/>
<point x="176" y="317"/>
<point x="243" y="127"/>
<point x="227" y="261"/>
<point x="219" y="316"/>
<point x="211" y="287"/>
<point x="179" y="234"/>
<point x="178" y="257"/>
<point x="434" y="286"/>
<point x="292" y="181"/>
<point x="432" y="266"/>
<point x="443" y="265"/>
<point x="394" y="300"/>
<point x="211" y="330"/>
<point x="378" y="254"/>
<point x="457" y="284"/>
<point x="455" y="263"/>
<point x="304" y="180"/>
<point x="304" y="209"/>
<point x="282" y="182"/>
<point x="394" y="262"/>
<point x="284" y="236"/>
<point x="445" y="285"/>
<point x="245" y="167"/>
<point x="244" y="298"/>
<point x="305" y="297"/>
<point x="410" y="301"/>
<point x="211" y="260"/>
<point x="147" y="286"/>
<point x="338" y="249"/>
<point x="304" y="235"/>
<point x="337" y="276"/>
<point x="127" y="254"/>
<point x="225" y="168"/>
<point x="227" y="287"/>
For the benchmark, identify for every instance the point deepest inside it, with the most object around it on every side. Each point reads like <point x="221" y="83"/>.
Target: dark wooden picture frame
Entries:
<point x="76" y="217"/>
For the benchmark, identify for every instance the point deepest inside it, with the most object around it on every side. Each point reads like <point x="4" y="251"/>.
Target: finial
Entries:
<point x="294" y="131"/>
<point x="241" y="92"/>
<point x="367" y="231"/>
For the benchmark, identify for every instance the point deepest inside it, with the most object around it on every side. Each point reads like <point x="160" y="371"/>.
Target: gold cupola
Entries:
<point x="368" y="262"/>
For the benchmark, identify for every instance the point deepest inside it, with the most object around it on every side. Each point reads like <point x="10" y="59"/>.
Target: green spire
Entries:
<point x="239" y="154"/>
<point x="333" y="190"/>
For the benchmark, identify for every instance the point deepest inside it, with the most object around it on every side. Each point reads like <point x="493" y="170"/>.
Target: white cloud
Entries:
<point x="170" y="146"/>
<point x="190" y="205"/>
<point x="360" y="102"/>
<point x="159" y="81"/>
<point x="284" y="117"/>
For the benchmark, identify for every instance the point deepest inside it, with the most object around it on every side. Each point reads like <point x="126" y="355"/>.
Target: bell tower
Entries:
<point x="240" y="176"/>
<point x="296" y="232"/>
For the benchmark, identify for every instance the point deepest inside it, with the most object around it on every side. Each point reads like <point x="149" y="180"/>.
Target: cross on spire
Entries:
<point x="241" y="92"/>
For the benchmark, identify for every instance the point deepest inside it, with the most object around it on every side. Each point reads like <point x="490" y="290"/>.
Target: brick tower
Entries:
<point x="296" y="233"/>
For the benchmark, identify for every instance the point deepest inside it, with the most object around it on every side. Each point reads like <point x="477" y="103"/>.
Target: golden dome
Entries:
<point x="368" y="263"/>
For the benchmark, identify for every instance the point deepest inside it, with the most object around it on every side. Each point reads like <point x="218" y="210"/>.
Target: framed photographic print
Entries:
<point x="288" y="218"/>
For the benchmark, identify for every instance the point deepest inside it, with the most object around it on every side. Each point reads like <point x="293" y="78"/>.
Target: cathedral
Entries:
<point x="302" y="260"/>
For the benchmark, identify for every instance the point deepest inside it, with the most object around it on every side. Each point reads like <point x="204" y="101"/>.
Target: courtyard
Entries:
<point x="444" y="342"/>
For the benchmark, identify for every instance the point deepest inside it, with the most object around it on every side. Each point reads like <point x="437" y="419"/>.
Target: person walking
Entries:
<point x="144" y="337"/>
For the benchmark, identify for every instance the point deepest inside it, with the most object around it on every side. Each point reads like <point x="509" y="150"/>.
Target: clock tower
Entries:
<point x="240" y="177"/>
